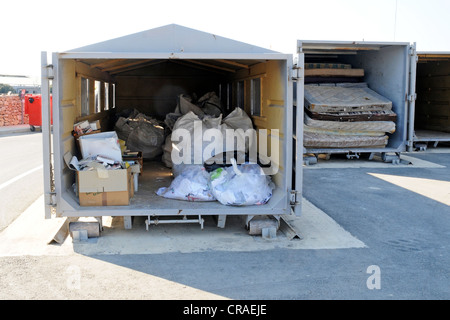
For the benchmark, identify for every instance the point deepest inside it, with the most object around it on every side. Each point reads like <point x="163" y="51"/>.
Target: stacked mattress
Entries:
<point x="346" y="115"/>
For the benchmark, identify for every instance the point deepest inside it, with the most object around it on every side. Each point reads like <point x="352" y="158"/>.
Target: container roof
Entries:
<point x="172" y="43"/>
<point x="172" y="38"/>
<point x="342" y="47"/>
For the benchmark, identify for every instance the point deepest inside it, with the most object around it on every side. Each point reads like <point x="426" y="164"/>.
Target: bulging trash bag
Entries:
<point x="187" y="104"/>
<point x="167" y="152"/>
<point x="141" y="133"/>
<point x="147" y="138"/>
<point x="241" y="185"/>
<point x="238" y="119"/>
<point x="210" y="104"/>
<point x="190" y="184"/>
<point x="187" y="143"/>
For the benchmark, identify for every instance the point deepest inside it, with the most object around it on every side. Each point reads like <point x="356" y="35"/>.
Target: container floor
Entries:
<point x="428" y="135"/>
<point x="155" y="175"/>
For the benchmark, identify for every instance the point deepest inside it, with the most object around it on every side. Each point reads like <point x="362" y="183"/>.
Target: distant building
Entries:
<point x="19" y="82"/>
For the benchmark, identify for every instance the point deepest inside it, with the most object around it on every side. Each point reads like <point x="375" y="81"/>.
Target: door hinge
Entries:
<point x="413" y="53"/>
<point x="412" y="97"/>
<point x="295" y="72"/>
<point x="293" y="197"/>
<point x="50" y="199"/>
<point x="49" y="74"/>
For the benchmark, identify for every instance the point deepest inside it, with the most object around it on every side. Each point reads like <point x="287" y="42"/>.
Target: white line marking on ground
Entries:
<point x="20" y="176"/>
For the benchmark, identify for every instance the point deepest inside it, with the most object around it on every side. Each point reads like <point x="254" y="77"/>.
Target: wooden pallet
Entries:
<point x="334" y="72"/>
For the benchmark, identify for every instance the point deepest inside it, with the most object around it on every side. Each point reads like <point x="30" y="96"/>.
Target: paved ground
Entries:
<point x="369" y="231"/>
<point x="21" y="174"/>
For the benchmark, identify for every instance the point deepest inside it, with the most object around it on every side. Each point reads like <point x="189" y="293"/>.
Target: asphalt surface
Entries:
<point x="21" y="179"/>
<point x="407" y="234"/>
<point x="395" y="240"/>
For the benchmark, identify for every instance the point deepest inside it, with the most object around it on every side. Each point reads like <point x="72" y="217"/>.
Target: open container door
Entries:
<point x="412" y="96"/>
<point x="150" y="69"/>
<point x="49" y="182"/>
<point x="430" y="118"/>
<point x="297" y="133"/>
<point x="368" y="82"/>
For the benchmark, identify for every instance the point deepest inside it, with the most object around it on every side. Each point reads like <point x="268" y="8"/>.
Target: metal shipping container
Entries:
<point x="430" y="121"/>
<point x="389" y="70"/>
<point x="147" y="71"/>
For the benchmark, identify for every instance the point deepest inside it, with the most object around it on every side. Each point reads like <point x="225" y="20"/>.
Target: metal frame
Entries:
<point x="47" y="74"/>
<point x="416" y="142"/>
<point x="327" y="48"/>
<point x="67" y="207"/>
<point x="156" y="221"/>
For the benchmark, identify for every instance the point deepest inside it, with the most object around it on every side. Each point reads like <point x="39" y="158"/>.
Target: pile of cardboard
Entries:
<point x="85" y="127"/>
<point x="103" y="178"/>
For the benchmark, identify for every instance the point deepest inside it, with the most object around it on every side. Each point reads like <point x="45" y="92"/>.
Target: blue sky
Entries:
<point x="30" y="27"/>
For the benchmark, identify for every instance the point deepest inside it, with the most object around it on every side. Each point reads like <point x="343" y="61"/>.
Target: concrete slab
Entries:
<point x="30" y="233"/>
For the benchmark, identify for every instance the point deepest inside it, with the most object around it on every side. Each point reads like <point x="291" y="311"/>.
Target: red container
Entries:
<point x="33" y="107"/>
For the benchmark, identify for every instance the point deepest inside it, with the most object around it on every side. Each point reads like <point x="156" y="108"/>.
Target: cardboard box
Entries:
<point x="103" y="143"/>
<point x="135" y="156"/>
<point x="95" y="125"/>
<point x="76" y="136"/>
<point x="105" y="187"/>
<point x="136" y="171"/>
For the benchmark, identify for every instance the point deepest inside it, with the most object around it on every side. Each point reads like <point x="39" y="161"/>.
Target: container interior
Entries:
<point x="432" y="111"/>
<point x="100" y="89"/>
<point x="386" y="70"/>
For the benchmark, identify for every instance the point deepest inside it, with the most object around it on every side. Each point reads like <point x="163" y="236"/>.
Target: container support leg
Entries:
<point x="128" y="222"/>
<point x="221" y="219"/>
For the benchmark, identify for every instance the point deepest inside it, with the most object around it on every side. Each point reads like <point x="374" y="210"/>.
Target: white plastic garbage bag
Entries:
<point x="238" y="119"/>
<point x="187" y="142"/>
<point x="191" y="184"/>
<point x="241" y="185"/>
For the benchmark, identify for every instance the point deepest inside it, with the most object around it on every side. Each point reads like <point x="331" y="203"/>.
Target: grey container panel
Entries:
<point x="386" y="71"/>
<point x="151" y="204"/>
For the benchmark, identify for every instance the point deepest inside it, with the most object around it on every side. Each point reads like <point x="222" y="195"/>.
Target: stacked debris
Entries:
<point x="332" y="73"/>
<point x="346" y="115"/>
<point x="141" y="133"/>
<point x="239" y="183"/>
